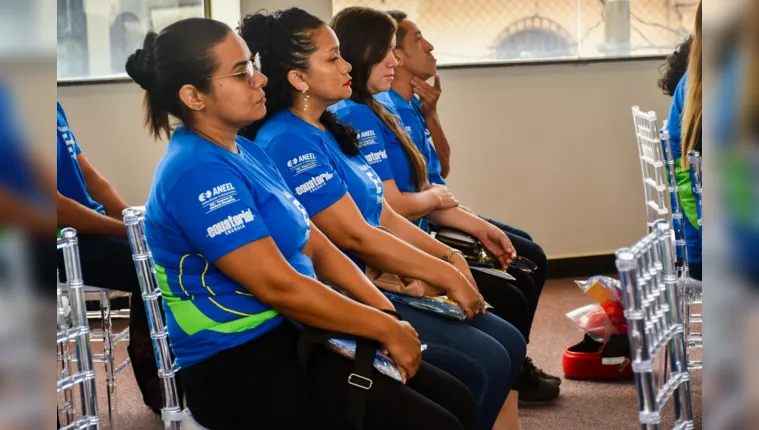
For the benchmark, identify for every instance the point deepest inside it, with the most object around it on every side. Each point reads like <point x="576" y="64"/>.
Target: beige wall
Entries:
<point x="547" y="148"/>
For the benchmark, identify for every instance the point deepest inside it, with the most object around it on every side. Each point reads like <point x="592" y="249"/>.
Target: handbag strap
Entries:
<point x="359" y="382"/>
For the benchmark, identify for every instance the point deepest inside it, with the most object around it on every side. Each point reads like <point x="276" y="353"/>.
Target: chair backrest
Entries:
<point x="77" y="330"/>
<point x="658" y="174"/>
<point x="652" y="166"/>
<point x="171" y="412"/>
<point x="650" y="283"/>
<point x="694" y="158"/>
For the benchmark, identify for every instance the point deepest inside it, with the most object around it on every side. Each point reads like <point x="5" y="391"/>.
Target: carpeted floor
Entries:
<point x="581" y="406"/>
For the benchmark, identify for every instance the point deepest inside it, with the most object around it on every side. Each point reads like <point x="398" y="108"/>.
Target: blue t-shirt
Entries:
<point x="379" y="145"/>
<point x="15" y="172"/>
<point x="684" y="179"/>
<point x="410" y="115"/>
<point x="317" y="170"/>
<point x="205" y="202"/>
<point x="70" y="178"/>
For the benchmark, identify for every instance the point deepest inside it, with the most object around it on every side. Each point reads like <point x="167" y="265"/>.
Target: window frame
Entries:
<point x="99" y="80"/>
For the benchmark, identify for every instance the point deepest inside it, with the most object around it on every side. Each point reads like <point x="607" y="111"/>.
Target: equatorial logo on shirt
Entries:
<point x="376" y="157"/>
<point x="314" y="183"/>
<point x="231" y="224"/>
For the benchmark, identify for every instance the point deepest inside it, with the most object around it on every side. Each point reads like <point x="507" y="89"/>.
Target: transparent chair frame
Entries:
<point x="658" y="173"/>
<point x="73" y="327"/>
<point x="172" y="412"/>
<point x="650" y="283"/>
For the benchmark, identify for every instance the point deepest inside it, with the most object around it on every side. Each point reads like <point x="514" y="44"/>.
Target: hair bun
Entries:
<point x="140" y="66"/>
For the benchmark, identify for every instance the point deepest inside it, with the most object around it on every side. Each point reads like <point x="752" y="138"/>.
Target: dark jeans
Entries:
<point x="531" y="285"/>
<point x="510" y="302"/>
<point x="260" y="384"/>
<point x="107" y="263"/>
<point x="695" y="270"/>
<point x="485" y="355"/>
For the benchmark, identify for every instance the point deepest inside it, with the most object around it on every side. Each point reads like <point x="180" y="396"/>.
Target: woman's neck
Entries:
<point x="311" y="114"/>
<point x="219" y="135"/>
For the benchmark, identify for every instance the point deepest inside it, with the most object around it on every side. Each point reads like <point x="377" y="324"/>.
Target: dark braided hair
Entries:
<point x="284" y="41"/>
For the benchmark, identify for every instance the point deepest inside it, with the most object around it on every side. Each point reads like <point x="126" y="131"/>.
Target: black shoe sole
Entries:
<point x="523" y="404"/>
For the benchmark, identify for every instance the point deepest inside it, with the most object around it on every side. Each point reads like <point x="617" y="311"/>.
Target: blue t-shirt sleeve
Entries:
<point x="307" y="170"/>
<point x="215" y="210"/>
<point x="674" y="121"/>
<point x="374" y="144"/>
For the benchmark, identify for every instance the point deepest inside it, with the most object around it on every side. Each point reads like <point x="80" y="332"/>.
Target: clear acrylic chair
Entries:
<point x="110" y="340"/>
<point x="172" y="412"/>
<point x="655" y="190"/>
<point x="657" y="338"/>
<point x="659" y="180"/>
<point x="72" y="325"/>
<point x="694" y="158"/>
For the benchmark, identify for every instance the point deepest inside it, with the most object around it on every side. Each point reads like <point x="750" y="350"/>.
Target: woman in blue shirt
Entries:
<point x="320" y="160"/>
<point x="407" y="187"/>
<point x="414" y="102"/>
<point x="236" y="257"/>
<point x="684" y="124"/>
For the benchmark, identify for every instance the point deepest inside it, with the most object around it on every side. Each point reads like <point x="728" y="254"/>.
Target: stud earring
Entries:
<point x="306" y="96"/>
<point x="196" y="107"/>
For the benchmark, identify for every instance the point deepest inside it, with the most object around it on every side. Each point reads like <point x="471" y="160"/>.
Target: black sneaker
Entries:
<point x="530" y="367"/>
<point x="534" y="390"/>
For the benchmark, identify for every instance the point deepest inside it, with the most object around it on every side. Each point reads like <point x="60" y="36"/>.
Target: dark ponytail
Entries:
<point x="365" y="36"/>
<point x="180" y="55"/>
<point x="284" y="41"/>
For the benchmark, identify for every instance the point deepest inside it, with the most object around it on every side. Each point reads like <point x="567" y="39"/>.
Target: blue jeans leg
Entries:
<point x="478" y="354"/>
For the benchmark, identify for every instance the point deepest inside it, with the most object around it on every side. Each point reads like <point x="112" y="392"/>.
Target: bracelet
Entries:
<point x="449" y="254"/>
<point x="393" y="313"/>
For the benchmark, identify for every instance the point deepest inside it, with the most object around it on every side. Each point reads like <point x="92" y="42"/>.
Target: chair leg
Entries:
<point x="68" y="400"/>
<point x="110" y="376"/>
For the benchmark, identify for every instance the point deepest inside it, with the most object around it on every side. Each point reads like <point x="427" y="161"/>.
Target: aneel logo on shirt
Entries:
<point x="366" y="138"/>
<point x="376" y="157"/>
<point x="302" y="163"/>
<point x="301" y="159"/>
<point x="216" y="191"/>
<point x="314" y="183"/>
<point x="232" y="224"/>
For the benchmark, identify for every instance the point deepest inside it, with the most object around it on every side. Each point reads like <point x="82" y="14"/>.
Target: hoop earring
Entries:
<point x="306" y="96"/>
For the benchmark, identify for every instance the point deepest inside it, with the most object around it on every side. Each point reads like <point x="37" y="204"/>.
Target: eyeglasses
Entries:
<point x="524" y="264"/>
<point x="251" y="68"/>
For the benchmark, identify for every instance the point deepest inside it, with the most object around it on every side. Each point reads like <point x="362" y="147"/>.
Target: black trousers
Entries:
<point x="107" y="263"/>
<point x="260" y="384"/>
<point x="529" y="286"/>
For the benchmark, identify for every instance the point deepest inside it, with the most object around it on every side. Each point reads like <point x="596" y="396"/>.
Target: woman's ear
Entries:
<point x="191" y="97"/>
<point x="296" y="79"/>
<point x="399" y="57"/>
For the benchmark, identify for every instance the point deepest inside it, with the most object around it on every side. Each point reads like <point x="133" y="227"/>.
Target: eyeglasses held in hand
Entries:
<point x="524" y="264"/>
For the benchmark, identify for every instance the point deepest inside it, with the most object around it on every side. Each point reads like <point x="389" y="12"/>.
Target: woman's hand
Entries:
<point x="404" y="347"/>
<point x="447" y="200"/>
<point x="496" y="241"/>
<point x="459" y="262"/>
<point x="466" y="295"/>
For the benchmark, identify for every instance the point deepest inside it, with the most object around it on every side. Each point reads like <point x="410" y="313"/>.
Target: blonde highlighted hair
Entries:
<point x="691" y="121"/>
